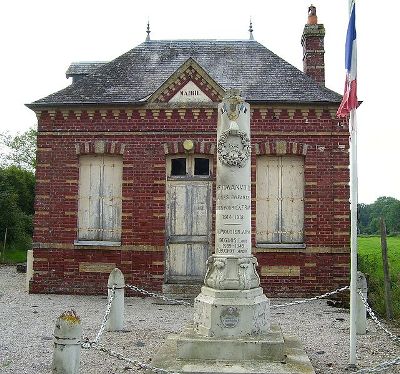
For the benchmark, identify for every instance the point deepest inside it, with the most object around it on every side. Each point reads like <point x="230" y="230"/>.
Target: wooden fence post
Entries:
<point x="388" y="287"/>
<point x="116" y="318"/>
<point x="67" y="344"/>
<point x="361" y="321"/>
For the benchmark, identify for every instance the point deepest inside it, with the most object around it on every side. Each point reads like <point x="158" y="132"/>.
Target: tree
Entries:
<point x="369" y="215"/>
<point x="16" y="203"/>
<point x="19" y="150"/>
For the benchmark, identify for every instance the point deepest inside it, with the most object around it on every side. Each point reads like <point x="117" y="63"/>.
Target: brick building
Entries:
<point x="126" y="165"/>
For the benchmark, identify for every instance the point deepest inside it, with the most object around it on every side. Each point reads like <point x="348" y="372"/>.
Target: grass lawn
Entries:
<point x="12" y="255"/>
<point x="370" y="263"/>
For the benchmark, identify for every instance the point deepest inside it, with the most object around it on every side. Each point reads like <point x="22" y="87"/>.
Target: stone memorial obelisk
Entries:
<point x="232" y="302"/>
<point x="232" y="330"/>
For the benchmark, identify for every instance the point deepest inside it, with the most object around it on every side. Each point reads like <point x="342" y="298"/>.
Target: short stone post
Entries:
<point x="116" y="318"/>
<point x="361" y="320"/>
<point x="67" y="344"/>
<point x="29" y="268"/>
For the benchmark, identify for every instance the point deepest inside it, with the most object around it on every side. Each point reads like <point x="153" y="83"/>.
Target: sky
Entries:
<point x="39" y="39"/>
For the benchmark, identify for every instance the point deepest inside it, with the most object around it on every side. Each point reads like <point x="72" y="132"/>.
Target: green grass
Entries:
<point x="14" y="253"/>
<point x="370" y="263"/>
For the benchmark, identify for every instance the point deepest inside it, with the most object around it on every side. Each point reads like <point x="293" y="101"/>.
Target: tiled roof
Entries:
<point x="247" y="65"/>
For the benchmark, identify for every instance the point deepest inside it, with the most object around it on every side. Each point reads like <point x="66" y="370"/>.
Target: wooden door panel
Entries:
<point x="177" y="259"/>
<point x="188" y="229"/>
<point x="196" y="259"/>
<point x="200" y="201"/>
<point x="187" y="260"/>
<point x="178" y="209"/>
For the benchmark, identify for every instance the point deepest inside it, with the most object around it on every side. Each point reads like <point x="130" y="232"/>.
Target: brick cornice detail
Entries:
<point x="200" y="147"/>
<point x="100" y="147"/>
<point x="280" y="147"/>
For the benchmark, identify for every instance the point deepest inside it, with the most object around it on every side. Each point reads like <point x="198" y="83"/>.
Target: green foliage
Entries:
<point x="370" y="263"/>
<point x="17" y="185"/>
<point x="369" y="216"/>
<point x="16" y="207"/>
<point x="19" y="150"/>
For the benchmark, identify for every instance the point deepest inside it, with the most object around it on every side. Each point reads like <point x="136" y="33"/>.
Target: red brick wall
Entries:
<point x="140" y="136"/>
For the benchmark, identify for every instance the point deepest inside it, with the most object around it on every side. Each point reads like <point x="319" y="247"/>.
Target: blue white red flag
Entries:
<point x="349" y="101"/>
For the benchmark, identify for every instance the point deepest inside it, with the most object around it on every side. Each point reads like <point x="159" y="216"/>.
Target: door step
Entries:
<point x="181" y="291"/>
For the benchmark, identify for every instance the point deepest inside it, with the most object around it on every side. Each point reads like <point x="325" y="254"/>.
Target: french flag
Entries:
<point x="349" y="101"/>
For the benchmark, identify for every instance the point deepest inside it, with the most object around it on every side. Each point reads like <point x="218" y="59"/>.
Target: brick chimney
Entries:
<point x="312" y="41"/>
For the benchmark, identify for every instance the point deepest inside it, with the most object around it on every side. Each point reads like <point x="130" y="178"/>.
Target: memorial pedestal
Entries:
<point x="271" y="353"/>
<point x="232" y="332"/>
<point x="231" y="313"/>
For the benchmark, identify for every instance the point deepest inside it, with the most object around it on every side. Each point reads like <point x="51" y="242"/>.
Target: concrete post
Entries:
<point x="29" y="268"/>
<point x="361" y="320"/>
<point x="116" y="318"/>
<point x="67" y="344"/>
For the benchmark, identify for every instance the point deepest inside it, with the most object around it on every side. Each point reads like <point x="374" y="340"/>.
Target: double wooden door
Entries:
<point x="188" y="230"/>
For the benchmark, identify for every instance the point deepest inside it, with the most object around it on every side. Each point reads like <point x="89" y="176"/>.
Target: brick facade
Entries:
<point x="144" y="136"/>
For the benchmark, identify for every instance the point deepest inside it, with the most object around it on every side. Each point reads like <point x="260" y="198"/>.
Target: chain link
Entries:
<point x="158" y="296"/>
<point x="392" y="336"/>
<point x="89" y="344"/>
<point x="134" y="362"/>
<point x="311" y="299"/>
<point x="382" y="366"/>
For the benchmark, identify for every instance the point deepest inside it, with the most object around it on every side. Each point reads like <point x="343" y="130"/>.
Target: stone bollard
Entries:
<point x="361" y="320"/>
<point x="29" y="268"/>
<point x="67" y="344"/>
<point x="115" y="320"/>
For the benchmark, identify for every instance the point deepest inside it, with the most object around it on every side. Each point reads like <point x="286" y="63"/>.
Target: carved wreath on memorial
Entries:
<point x="231" y="154"/>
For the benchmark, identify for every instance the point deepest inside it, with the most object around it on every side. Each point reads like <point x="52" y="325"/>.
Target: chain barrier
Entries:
<point x="95" y="343"/>
<point x="392" y="336"/>
<point x="311" y="299"/>
<point x="158" y="296"/>
<point x="382" y="366"/>
<point x="89" y="344"/>
<point x="134" y="362"/>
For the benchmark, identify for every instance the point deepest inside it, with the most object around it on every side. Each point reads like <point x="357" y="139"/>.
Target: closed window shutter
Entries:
<point x="268" y="200"/>
<point x="100" y="191"/>
<point x="280" y="199"/>
<point x="111" y="198"/>
<point x="292" y="199"/>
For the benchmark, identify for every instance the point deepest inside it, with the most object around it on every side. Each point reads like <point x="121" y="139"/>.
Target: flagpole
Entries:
<point x="353" y="230"/>
<point x="353" y="236"/>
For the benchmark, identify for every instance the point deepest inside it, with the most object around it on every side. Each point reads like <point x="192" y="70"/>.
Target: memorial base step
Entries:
<point x="181" y="291"/>
<point x="273" y="353"/>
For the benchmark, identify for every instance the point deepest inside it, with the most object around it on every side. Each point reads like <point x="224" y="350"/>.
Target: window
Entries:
<point x="100" y="191"/>
<point x="178" y="166"/>
<point x="189" y="167"/>
<point x="280" y="200"/>
<point x="201" y="166"/>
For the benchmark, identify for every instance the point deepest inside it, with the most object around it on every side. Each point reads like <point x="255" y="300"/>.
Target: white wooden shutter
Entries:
<point x="89" y="198"/>
<point x="292" y="199"/>
<point x="280" y="199"/>
<point x="100" y="191"/>
<point x="111" y="198"/>
<point x="268" y="199"/>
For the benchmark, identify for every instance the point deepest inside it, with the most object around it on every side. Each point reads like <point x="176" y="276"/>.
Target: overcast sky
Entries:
<point x="40" y="38"/>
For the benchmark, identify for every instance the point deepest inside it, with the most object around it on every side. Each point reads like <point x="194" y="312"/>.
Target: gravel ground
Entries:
<point x="27" y="323"/>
